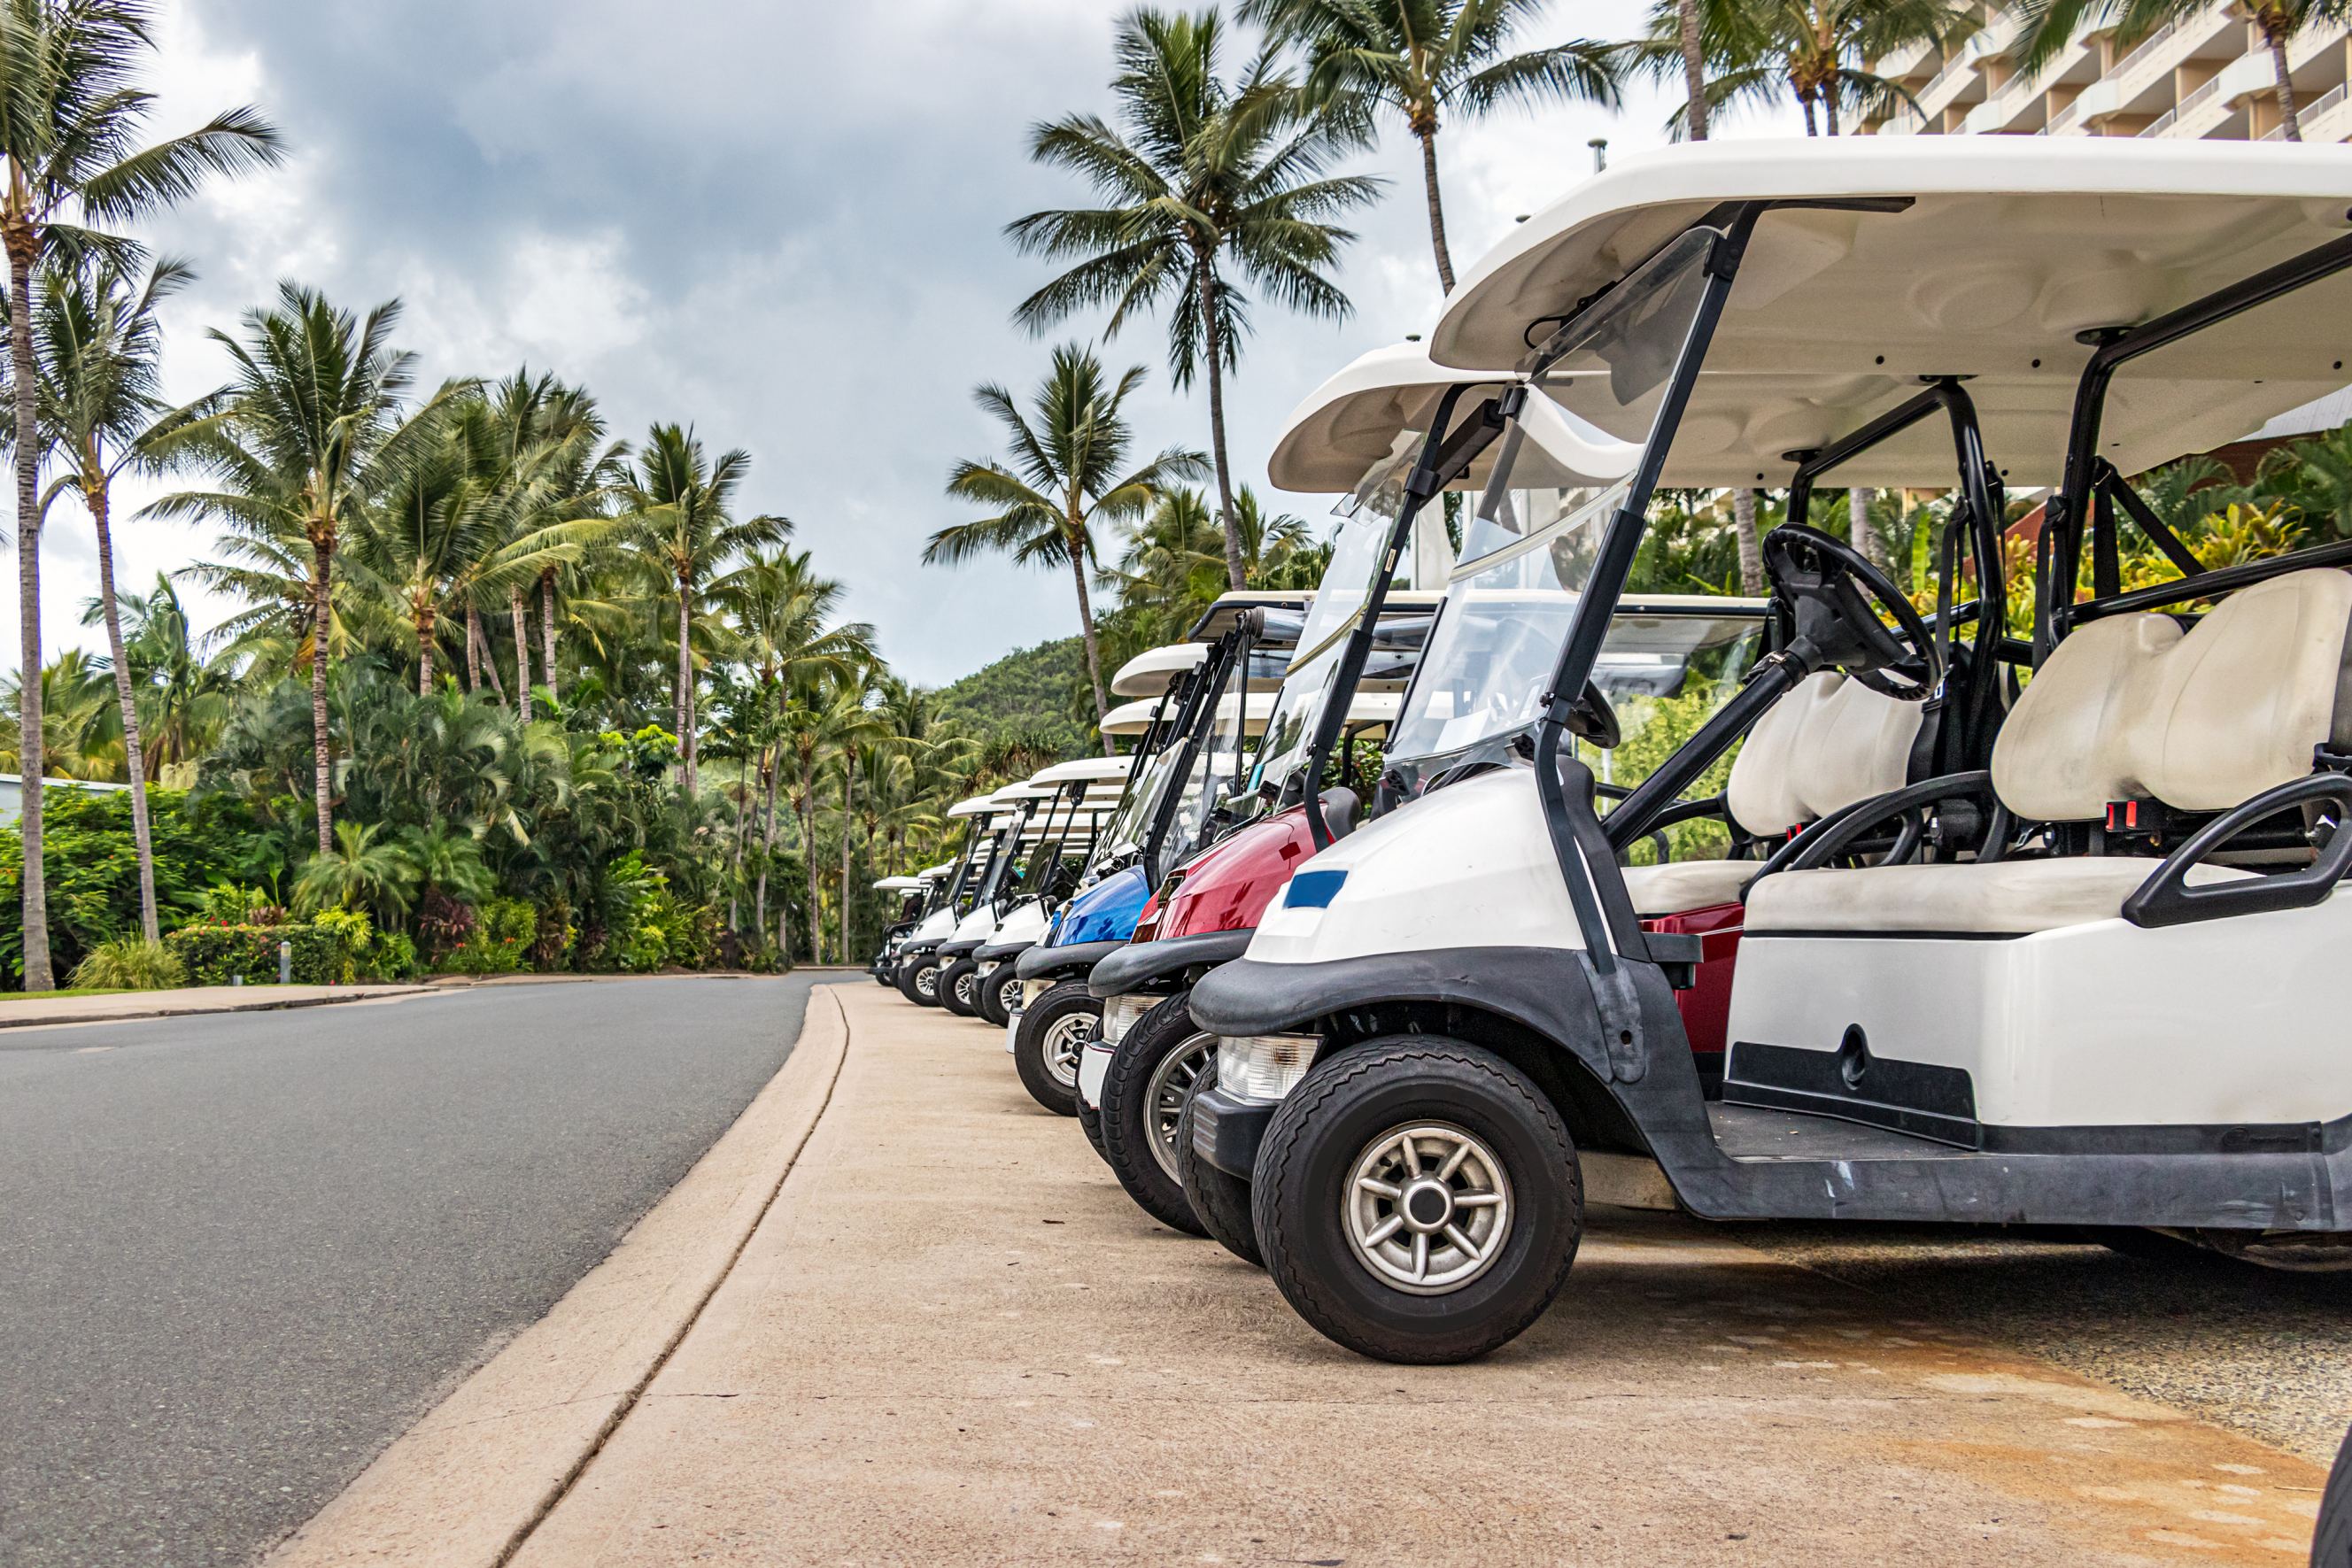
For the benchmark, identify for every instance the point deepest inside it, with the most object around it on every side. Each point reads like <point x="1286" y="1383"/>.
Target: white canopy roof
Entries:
<point x="1086" y="767"/>
<point x="899" y="884"/>
<point x="973" y="806"/>
<point x="2010" y="248"/>
<point x="1227" y="607"/>
<point x="1148" y="674"/>
<point x="1131" y="719"/>
<point x="1013" y="795"/>
<point x="934" y="873"/>
<point x="1353" y="420"/>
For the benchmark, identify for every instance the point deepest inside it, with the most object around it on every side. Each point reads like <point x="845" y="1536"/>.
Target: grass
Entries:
<point x="63" y="991"/>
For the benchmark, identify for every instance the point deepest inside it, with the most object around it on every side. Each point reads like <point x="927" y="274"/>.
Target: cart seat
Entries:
<point x="2126" y="709"/>
<point x="1827" y="743"/>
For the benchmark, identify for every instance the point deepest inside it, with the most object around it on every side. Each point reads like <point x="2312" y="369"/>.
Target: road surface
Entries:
<point x="238" y="1255"/>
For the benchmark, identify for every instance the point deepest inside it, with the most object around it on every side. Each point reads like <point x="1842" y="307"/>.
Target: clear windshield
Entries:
<point x="1532" y="542"/>
<point x="1357" y="549"/>
<point x="1124" y="835"/>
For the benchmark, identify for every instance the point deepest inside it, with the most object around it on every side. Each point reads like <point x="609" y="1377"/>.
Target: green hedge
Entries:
<point x="215" y="955"/>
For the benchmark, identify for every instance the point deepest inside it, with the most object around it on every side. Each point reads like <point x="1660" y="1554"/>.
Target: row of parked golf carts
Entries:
<point x="1420" y="909"/>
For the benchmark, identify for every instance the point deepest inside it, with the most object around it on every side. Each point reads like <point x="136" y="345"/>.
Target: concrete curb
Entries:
<point x="465" y="1484"/>
<point x="10" y="1019"/>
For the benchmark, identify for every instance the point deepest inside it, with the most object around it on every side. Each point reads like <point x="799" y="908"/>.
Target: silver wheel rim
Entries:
<point x="927" y="980"/>
<point x="963" y="988"/>
<point x="1066" y="1037"/>
<point x="1427" y="1207"/>
<point x="1190" y="1065"/>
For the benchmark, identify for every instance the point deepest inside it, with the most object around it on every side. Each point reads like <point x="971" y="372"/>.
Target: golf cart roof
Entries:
<point x="1131" y="719"/>
<point x="1219" y="618"/>
<point x="1148" y="674"/>
<point x="1014" y="795"/>
<point x="1353" y="420"/>
<point x="973" y="806"/>
<point x="2007" y="248"/>
<point x="934" y="873"/>
<point x="1089" y="768"/>
<point x="899" y="884"/>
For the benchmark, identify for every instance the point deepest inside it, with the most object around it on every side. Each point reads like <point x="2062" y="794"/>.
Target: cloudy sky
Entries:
<point x="777" y="222"/>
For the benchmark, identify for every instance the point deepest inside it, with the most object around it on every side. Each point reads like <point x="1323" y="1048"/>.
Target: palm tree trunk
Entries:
<point x="1694" y="67"/>
<point x="1857" y="512"/>
<point x="323" y="619"/>
<point x="849" y="805"/>
<point x="135" y="760"/>
<point x="425" y="622"/>
<point x="1086" y="630"/>
<point x="479" y="649"/>
<point x="735" y="855"/>
<point x="523" y="653"/>
<point x="1204" y="283"/>
<point x="1829" y="102"/>
<point x="768" y="855"/>
<point x="2290" y="123"/>
<point x="1437" y="204"/>
<point x="547" y="625"/>
<point x="1805" y="102"/>
<point x="1752" y="552"/>
<point x="686" y="687"/>
<point x="23" y="246"/>
<point x="808" y="863"/>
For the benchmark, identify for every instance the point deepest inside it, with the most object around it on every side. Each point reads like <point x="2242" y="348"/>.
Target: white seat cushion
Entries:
<point x="1686" y="884"/>
<point x="1828" y="742"/>
<point x="2008" y="897"/>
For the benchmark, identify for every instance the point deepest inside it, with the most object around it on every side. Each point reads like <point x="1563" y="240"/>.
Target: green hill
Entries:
<point x="1039" y="693"/>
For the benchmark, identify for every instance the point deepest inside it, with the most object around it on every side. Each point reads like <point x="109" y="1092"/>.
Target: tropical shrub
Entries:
<point x="128" y="963"/>
<point x="219" y="954"/>
<point x="499" y="942"/>
<point x="350" y="934"/>
<point x="394" y="957"/>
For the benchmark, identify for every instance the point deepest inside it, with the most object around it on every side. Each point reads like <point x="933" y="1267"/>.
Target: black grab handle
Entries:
<point x="2167" y="899"/>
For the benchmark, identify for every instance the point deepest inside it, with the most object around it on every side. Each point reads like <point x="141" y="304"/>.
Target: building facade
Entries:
<point x="2210" y="76"/>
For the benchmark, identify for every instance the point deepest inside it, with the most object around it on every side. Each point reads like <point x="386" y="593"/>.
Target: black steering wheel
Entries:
<point x="1836" y="596"/>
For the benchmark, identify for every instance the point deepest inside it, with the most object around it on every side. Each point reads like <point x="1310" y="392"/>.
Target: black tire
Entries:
<point x="1220" y="1202"/>
<point x="988" y="994"/>
<point x="919" y="981"/>
<point x="1063" y="1018"/>
<point x="955" y="986"/>
<point x="1343" y="1111"/>
<point x="1139" y="1124"/>
<point x="2331" y="1542"/>
<point x="1090" y="1123"/>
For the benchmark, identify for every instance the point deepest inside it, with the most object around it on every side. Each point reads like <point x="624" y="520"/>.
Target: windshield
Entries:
<point x="1357" y="549"/>
<point x="1531" y="543"/>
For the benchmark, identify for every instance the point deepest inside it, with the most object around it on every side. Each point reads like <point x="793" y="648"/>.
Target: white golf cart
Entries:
<point x="1086" y="793"/>
<point x="911" y="892"/>
<point x="2092" y="980"/>
<point x="1016" y="834"/>
<point x="918" y="954"/>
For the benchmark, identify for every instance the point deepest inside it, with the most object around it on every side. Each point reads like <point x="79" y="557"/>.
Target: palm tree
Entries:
<point x="1201" y="176"/>
<point x="682" y="518"/>
<point x="71" y="116"/>
<point x="310" y="433"/>
<point x="1813" y="49"/>
<point x="826" y="716"/>
<point x="1689" y="44"/>
<point x="2047" y="27"/>
<point x="183" y="699"/>
<point x="1064" y="478"/>
<point x="1417" y="57"/>
<point x="100" y="405"/>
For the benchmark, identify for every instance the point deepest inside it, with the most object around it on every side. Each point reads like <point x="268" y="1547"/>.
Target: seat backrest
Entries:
<point x="2131" y="707"/>
<point x="1828" y="742"/>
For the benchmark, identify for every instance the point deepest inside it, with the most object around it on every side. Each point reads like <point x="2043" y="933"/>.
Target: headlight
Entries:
<point x="985" y="969"/>
<point x="1031" y="990"/>
<point x="1120" y="1015"/>
<point x="1263" y="1067"/>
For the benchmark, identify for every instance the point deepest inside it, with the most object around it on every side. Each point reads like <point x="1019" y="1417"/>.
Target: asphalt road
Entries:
<point x="239" y="1254"/>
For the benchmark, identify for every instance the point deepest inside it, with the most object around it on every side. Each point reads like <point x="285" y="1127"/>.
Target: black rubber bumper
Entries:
<point x="1226" y="1132"/>
<point x="1144" y="967"/>
<point x="916" y="949"/>
<point x="1000" y="952"/>
<point x="951" y="951"/>
<point x="1044" y="963"/>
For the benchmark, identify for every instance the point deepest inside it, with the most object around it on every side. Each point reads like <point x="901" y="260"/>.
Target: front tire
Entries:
<point x="919" y="981"/>
<point x="1151" y="1075"/>
<point x="955" y="986"/>
<point x="988" y="994"/>
<point x="1053" y="1030"/>
<point x="1418" y="1200"/>
<point x="1090" y="1124"/>
<point x="1220" y="1202"/>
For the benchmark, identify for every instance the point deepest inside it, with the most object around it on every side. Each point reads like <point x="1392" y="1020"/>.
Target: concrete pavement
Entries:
<point x="952" y="1338"/>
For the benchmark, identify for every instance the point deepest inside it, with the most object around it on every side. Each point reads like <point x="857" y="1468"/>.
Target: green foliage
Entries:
<point x="350" y="934"/>
<point x="1039" y="693"/>
<point x="394" y="957"/>
<point x="216" y="955"/>
<point x="128" y="963"/>
<point x="500" y="940"/>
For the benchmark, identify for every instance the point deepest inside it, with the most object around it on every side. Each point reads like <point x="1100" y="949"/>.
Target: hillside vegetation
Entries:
<point x="1035" y="695"/>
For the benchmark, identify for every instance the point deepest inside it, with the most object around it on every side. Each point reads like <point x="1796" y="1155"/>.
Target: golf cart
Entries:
<point x="1992" y="996"/>
<point x="1015" y="804"/>
<point x="918" y="954"/>
<point x="1174" y="801"/>
<point x="1086" y="793"/>
<point x="925" y="904"/>
<point x="911" y="890"/>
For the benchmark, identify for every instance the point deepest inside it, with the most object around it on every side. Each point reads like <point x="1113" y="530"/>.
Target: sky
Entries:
<point x="780" y="224"/>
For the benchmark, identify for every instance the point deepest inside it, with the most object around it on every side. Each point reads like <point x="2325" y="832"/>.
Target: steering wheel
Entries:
<point x="1837" y="596"/>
